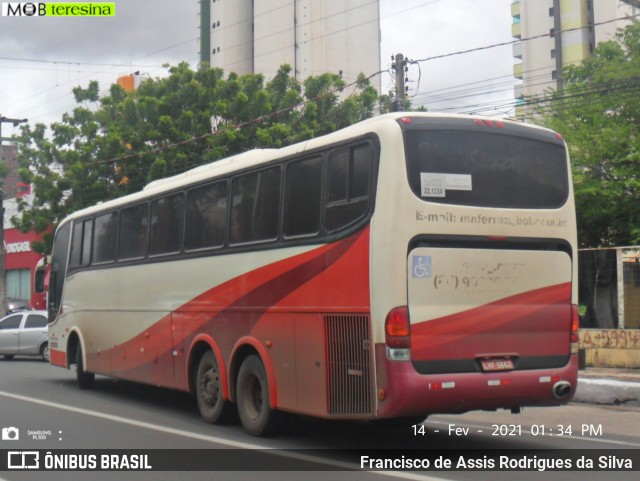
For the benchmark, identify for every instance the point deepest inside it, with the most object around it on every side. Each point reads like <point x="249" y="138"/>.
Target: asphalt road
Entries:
<point x="52" y="415"/>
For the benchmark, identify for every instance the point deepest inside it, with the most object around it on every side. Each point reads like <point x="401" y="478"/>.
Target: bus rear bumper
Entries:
<point x="404" y="392"/>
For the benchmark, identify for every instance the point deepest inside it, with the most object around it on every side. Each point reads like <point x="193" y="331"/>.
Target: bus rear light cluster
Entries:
<point x="575" y="325"/>
<point x="398" y="334"/>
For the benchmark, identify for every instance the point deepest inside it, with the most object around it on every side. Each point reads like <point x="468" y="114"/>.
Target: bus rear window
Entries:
<point x="486" y="170"/>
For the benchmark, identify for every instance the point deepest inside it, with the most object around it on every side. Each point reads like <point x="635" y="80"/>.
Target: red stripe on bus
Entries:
<point x="233" y="308"/>
<point x="526" y="324"/>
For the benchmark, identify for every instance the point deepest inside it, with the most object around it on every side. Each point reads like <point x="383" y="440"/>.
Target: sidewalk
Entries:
<point x="608" y="386"/>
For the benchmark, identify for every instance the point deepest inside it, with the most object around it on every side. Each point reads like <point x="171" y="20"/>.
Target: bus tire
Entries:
<point x="85" y="379"/>
<point x="252" y="396"/>
<point x="211" y="404"/>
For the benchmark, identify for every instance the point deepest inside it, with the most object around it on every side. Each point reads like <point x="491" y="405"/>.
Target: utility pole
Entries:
<point x="399" y="67"/>
<point x="3" y="304"/>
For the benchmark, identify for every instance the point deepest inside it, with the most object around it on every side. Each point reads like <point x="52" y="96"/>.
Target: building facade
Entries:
<point x="21" y="260"/>
<point x="336" y="36"/>
<point x="557" y="33"/>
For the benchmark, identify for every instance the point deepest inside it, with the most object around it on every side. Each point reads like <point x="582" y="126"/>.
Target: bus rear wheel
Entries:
<point x="85" y="379"/>
<point x="211" y="405"/>
<point x="252" y="395"/>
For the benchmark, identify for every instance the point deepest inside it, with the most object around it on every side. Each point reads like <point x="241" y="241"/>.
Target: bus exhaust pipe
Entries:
<point x="561" y="389"/>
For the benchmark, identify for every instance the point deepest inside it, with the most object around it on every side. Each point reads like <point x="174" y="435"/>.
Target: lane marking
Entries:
<point x="218" y="440"/>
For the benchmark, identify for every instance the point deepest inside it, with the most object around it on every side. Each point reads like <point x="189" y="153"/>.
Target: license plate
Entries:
<point x="496" y="364"/>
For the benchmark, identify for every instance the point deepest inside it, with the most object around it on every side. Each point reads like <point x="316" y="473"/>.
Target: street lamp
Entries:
<point x="3" y="304"/>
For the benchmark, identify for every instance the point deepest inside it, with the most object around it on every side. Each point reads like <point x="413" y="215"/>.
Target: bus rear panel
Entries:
<point x="483" y="313"/>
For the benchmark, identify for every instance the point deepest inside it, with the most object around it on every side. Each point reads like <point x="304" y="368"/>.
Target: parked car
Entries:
<point x="13" y="305"/>
<point x="24" y="333"/>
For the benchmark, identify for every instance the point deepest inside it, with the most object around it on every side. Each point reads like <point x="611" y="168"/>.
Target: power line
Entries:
<point x="546" y="35"/>
<point x="512" y="42"/>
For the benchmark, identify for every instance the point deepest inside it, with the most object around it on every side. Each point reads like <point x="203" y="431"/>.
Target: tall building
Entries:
<point x="557" y="33"/>
<point x="313" y="37"/>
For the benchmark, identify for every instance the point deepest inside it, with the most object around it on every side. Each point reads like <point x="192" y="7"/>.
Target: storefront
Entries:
<point x="20" y="265"/>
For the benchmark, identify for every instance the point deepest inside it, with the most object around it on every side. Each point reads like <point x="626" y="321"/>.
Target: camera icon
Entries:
<point x="10" y="434"/>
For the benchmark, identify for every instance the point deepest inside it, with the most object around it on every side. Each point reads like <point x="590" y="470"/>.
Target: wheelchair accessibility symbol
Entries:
<point x="422" y="267"/>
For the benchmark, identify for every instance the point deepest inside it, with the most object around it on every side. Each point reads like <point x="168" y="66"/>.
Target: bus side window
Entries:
<point x="302" y="198"/>
<point x="81" y="243"/>
<point x="105" y="237"/>
<point x="348" y="180"/>
<point x="167" y="225"/>
<point x="255" y="206"/>
<point x="58" y="268"/>
<point x="266" y="215"/>
<point x="206" y="216"/>
<point x="134" y="223"/>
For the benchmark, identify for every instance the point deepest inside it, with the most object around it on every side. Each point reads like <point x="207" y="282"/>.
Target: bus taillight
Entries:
<point x="575" y="325"/>
<point x="397" y="334"/>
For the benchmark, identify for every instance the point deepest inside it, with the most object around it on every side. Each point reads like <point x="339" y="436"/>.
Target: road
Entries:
<point x="51" y="413"/>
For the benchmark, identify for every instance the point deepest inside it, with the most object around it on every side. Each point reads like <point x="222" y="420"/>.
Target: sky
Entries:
<point x="43" y="58"/>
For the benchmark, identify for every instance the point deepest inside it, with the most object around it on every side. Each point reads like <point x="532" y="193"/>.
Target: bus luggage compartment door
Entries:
<point x="478" y="310"/>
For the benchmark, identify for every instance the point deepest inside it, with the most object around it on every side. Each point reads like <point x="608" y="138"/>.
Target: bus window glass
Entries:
<point x="486" y="170"/>
<point x="255" y="206"/>
<point x="58" y="268"/>
<point x="105" y="237"/>
<point x="81" y="243"/>
<point x="338" y="176"/>
<point x="134" y="222"/>
<point x="303" y="195"/>
<point x="207" y="216"/>
<point x="86" y="241"/>
<point x="167" y="223"/>
<point x="76" y="245"/>
<point x="348" y="170"/>
<point x="361" y="169"/>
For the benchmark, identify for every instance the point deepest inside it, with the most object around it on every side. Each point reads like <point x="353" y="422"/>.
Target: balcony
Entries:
<point x="517" y="50"/>
<point x="517" y="71"/>
<point x="516" y="30"/>
<point x="515" y="9"/>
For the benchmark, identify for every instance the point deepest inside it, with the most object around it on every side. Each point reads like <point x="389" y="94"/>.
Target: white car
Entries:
<point x="24" y="333"/>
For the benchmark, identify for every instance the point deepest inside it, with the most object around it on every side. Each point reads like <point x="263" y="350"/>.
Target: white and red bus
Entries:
<point x="407" y="265"/>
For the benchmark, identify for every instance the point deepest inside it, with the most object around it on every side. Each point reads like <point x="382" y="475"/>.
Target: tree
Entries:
<point x="598" y="114"/>
<point x="112" y="146"/>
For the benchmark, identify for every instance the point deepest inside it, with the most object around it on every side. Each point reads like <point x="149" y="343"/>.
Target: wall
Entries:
<point x="611" y="347"/>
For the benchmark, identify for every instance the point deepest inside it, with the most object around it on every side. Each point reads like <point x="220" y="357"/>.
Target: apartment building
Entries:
<point x="337" y="36"/>
<point x="557" y="33"/>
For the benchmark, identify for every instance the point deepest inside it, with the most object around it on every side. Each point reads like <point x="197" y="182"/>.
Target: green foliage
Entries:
<point x="598" y="114"/>
<point x="112" y="146"/>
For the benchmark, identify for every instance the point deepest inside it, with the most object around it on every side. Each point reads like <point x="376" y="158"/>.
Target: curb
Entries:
<point x="607" y="391"/>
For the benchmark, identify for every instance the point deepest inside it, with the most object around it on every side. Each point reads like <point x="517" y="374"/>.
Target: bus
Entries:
<point x="40" y="284"/>
<point x="407" y="265"/>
